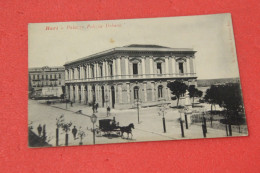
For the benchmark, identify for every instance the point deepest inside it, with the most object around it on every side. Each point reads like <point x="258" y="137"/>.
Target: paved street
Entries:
<point x="150" y="127"/>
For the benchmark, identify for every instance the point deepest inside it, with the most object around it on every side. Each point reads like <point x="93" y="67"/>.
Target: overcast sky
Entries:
<point x="210" y="35"/>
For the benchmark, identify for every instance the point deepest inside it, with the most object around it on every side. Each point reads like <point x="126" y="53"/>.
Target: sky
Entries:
<point x="53" y="44"/>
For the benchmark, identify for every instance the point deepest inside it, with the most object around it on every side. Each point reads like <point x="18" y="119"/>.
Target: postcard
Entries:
<point x="133" y="80"/>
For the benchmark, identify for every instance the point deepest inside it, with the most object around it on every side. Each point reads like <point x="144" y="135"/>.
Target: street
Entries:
<point x="150" y="127"/>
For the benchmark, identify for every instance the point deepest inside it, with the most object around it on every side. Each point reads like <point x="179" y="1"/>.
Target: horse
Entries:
<point x="127" y="129"/>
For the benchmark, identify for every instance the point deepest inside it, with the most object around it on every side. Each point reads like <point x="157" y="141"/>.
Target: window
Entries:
<point x="101" y="71"/>
<point x="33" y="76"/>
<point x="136" y="92"/>
<point x="92" y="71"/>
<point x="72" y="74"/>
<point x="42" y="76"/>
<point x="135" y="68"/>
<point x="181" y="68"/>
<point x="50" y="76"/>
<point x="85" y="72"/>
<point x="160" y="93"/>
<point x="111" y="69"/>
<point x="46" y="76"/>
<point x="79" y="73"/>
<point x="159" y="68"/>
<point x="38" y="76"/>
<point x="59" y="75"/>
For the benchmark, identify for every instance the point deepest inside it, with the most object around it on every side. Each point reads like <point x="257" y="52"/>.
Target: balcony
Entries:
<point x="133" y="77"/>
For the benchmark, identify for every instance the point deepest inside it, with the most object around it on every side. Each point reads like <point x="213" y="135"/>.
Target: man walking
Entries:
<point x="39" y="130"/>
<point x="74" y="132"/>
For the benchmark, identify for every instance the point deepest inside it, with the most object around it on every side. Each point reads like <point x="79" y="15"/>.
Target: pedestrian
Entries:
<point x="96" y="107"/>
<point x="93" y="107"/>
<point x="108" y="110"/>
<point x="71" y="103"/>
<point x="39" y="130"/>
<point x="74" y="132"/>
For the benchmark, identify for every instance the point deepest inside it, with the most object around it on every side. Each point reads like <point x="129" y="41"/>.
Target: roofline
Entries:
<point x="136" y="49"/>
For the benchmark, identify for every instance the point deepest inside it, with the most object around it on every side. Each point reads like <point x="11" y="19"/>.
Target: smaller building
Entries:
<point x="46" y="81"/>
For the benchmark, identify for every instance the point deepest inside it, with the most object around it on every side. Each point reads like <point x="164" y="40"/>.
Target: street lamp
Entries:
<point x="204" y="123"/>
<point x="225" y="114"/>
<point x="181" y="123"/>
<point x="138" y="102"/>
<point x="163" y="110"/>
<point x="93" y="119"/>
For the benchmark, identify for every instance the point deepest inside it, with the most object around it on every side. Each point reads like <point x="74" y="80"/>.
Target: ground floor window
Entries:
<point x="136" y="92"/>
<point x="160" y="93"/>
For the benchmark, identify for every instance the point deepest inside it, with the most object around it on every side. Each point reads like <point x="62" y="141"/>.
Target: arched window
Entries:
<point x="160" y="91"/>
<point x="136" y="92"/>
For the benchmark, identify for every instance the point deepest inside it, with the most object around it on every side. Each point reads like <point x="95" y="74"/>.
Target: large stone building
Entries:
<point x="46" y="81"/>
<point x="119" y="76"/>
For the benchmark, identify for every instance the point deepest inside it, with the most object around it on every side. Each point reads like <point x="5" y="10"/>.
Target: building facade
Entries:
<point x="120" y="76"/>
<point x="46" y="81"/>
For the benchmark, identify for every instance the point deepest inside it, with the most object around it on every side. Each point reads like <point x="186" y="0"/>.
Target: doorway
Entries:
<point x="103" y="96"/>
<point x="113" y="96"/>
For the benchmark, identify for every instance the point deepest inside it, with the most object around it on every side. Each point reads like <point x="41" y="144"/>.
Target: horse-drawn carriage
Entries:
<point x="109" y="127"/>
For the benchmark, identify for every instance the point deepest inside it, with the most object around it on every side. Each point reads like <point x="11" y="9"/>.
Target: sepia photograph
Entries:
<point x="133" y="80"/>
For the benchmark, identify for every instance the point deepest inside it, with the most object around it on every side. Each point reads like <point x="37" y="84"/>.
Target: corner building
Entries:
<point x="46" y="80"/>
<point x="119" y="76"/>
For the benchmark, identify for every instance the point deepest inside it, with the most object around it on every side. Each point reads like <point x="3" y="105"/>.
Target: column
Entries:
<point x="76" y="93"/>
<point x="119" y="67"/>
<point x="67" y="92"/>
<point x="188" y="65"/>
<point x="71" y="93"/>
<point x="168" y="97"/>
<point x="90" y="97"/>
<point x="185" y="67"/>
<point x="89" y="71"/>
<point x="114" y="68"/>
<point x="194" y="65"/>
<point x="82" y="94"/>
<point x="145" y="93"/>
<point x="110" y="95"/>
<point x="153" y="98"/>
<point x="104" y="69"/>
<point x="176" y="68"/>
<point x="95" y="70"/>
<point x="173" y="66"/>
<point x="78" y="74"/>
<point x="126" y="66"/>
<point x="74" y="73"/>
<point x="81" y="72"/>
<point x="151" y="66"/>
<point x="143" y="66"/>
<point x="128" y="92"/>
<point x="167" y="66"/>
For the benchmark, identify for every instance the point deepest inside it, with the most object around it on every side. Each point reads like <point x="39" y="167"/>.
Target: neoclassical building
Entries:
<point x="118" y="77"/>
<point x="47" y="80"/>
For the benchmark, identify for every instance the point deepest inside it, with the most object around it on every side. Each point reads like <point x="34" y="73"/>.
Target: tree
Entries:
<point x="227" y="96"/>
<point x="211" y="96"/>
<point x="177" y="88"/>
<point x="194" y="92"/>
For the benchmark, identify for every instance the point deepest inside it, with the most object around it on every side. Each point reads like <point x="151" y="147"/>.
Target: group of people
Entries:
<point x="95" y="107"/>
<point x="41" y="129"/>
